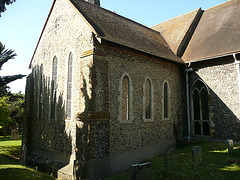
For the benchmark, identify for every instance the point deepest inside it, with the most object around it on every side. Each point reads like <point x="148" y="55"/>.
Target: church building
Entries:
<point x="106" y="92"/>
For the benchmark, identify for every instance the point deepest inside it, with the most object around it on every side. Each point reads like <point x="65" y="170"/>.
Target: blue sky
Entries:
<point x="22" y="23"/>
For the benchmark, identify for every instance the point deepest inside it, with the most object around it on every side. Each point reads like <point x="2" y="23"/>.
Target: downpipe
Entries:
<point x="188" y="103"/>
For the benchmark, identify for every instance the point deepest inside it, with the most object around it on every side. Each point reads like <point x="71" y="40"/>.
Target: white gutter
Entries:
<point x="188" y="103"/>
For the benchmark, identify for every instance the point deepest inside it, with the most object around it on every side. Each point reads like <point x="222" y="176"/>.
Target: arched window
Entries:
<point x="196" y="104"/>
<point x="200" y="109"/>
<point x="41" y="89"/>
<point x="125" y="98"/>
<point x="197" y="128"/>
<point x="204" y="104"/>
<point x="54" y="88"/>
<point x="148" y="100"/>
<point x="166" y="105"/>
<point x="69" y="87"/>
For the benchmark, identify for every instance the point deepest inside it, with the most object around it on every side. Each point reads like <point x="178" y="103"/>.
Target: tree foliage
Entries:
<point x="5" y="119"/>
<point x="3" y="4"/>
<point x="5" y="56"/>
<point x="16" y="106"/>
<point x="5" y="91"/>
<point x="11" y="110"/>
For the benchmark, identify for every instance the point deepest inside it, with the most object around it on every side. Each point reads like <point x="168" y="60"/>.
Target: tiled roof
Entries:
<point x="177" y="30"/>
<point x="115" y="28"/>
<point x="217" y="34"/>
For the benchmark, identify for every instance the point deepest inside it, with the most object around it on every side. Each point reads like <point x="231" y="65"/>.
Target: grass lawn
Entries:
<point x="10" y="168"/>
<point x="216" y="164"/>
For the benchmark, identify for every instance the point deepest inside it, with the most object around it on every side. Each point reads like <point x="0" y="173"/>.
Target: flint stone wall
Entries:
<point x="65" y="32"/>
<point x="222" y="78"/>
<point x="138" y="134"/>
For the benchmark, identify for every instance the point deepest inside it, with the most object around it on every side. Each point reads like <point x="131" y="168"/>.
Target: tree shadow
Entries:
<point x="21" y="173"/>
<point x="47" y="139"/>
<point x="5" y="160"/>
<point x="54" y="145"/>
<point x="92" y="133"/>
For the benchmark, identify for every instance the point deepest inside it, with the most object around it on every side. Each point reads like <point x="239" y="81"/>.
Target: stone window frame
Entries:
<point x="41" y="92"/>
<point x="53" y="90"/>
<point x="144" y="100"/>
<point x="130" y="113"/>
<point x="163" y="101"/>
<point x="66" y="89"/>
<point x="201" y="121"/>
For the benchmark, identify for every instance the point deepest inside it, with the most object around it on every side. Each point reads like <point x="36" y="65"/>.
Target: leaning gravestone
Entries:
<point x="15" y="134"/>
<point x="230" y="147"/>
<point x="197" y="155"/>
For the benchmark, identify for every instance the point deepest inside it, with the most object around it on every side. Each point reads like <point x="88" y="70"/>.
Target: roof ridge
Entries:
<point x="228" y="1"/>
<point x="187" y="38"/>
<point x="177" y="17"/>
<point x="121" y="16"/>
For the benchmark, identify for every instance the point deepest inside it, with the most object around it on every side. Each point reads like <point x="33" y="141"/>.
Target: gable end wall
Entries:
<point x="65" y="32"/>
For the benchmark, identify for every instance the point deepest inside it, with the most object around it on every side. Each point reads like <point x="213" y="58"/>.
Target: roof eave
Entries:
<point x="30" y="65"/>
<point x="213" y="57"/>
<point x="152" y="54"/>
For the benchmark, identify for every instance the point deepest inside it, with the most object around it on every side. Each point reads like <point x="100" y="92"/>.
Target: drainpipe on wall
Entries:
<point x="237" y="62"/>
<point x="188" y="104"/>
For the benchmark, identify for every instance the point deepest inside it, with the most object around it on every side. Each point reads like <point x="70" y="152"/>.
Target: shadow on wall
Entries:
<point x="226" y="123"/>
<point x="92" y="131"/>
<point x="49" y="141"/>
<point x="47" y="137"/>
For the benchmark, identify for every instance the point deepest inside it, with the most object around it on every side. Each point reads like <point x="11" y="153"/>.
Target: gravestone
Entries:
<point x="15" y="134"/>
<point x="171" y="163"/>
<point x="197" y="155"/>
<point x="141" y="171"/>
<point x="230" y="147"/>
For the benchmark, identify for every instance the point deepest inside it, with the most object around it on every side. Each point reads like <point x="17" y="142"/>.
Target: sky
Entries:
<point x="21" y="25"/>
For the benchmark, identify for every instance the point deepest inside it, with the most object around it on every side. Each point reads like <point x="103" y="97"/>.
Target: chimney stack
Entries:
<point x="95" y="2"/>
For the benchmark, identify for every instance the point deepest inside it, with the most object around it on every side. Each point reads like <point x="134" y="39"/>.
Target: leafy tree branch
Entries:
<point x="3" y="4"/>
<point x="5" y="56"/>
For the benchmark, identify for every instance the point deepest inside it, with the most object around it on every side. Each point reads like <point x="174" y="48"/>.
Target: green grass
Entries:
<point x="10" y="168"/>
<point x="216" y="164"/>
<point x="11" y="148"/>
